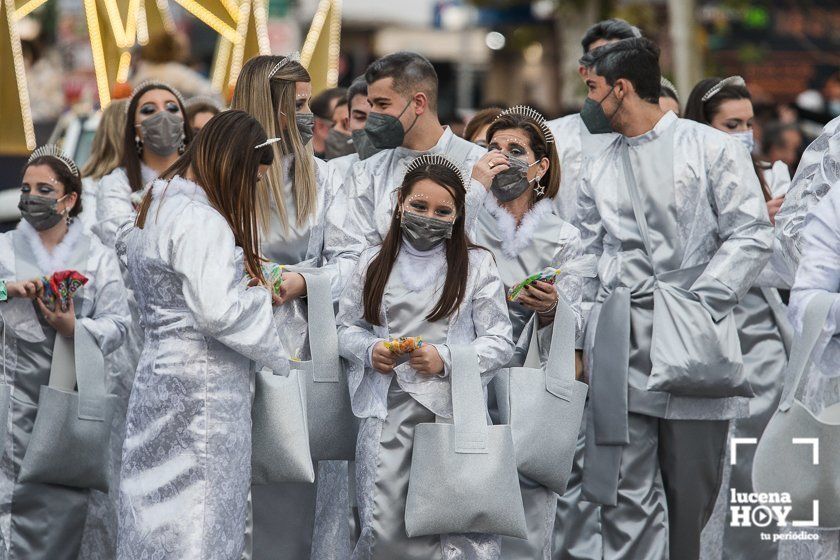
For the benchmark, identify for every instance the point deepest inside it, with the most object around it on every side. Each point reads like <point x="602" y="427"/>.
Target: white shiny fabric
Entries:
<point x="187" y="456"/>
<point x="116" y="203"/>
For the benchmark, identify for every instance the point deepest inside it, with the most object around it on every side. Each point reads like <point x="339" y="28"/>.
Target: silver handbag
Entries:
<point x="544" y="407"/>
<point x="691" y="354"/>
<point x="332" y="425"/>
<point x="463" y="475"/>
<point x="70" y="440"/>
<point x="799" y="452"/>
<point x="5" y="394"/>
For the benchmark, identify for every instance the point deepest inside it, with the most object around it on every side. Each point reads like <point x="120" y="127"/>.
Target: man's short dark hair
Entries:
<point x="321" y="103"/>
<point x="774" y="135"/>
<point x="411" y="73"/>
<point x="609" y="30"/>
<point x="357" y="87"/>
<point x="635" y="60"/>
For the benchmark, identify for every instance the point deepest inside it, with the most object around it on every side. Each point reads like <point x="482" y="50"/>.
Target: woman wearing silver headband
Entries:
<point x="42" y="330"/>
<point x="521" y="228"/>
<point x="761" y="317"/>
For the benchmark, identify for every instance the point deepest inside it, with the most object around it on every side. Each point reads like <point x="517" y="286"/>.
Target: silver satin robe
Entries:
<point x="116" y="203"/>
<point x="391" y="405"/>
<point x="186" y="468"/>
<point x="43" y="521"/>
<point x="541" y="240"/>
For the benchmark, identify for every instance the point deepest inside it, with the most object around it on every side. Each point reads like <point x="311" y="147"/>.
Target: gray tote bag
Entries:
<point x="544" y="407"/>
<point x="799" y="452"/>
<point x="463" y="475"/>
<point x="70" y="440"/>
<point x="5" y="393"/>
<point x="691" y="354"/>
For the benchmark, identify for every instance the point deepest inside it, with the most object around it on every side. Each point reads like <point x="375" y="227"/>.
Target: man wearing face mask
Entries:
<point x="575" y="144"/>
<point x="323" y="106"/>
<point x="403" y="124"/>
<point x="669" y="204"/>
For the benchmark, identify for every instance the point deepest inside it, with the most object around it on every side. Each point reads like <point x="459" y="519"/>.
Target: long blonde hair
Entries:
<point x="264" y="96"/>
<point x="106" y="149"/>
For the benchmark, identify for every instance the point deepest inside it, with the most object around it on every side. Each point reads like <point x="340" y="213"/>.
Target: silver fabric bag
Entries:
<point x="799" y="452"/>
<point x="691" y="354"/>
<point x="463" y="475"/>
<point x="5" y="393"/>
<point x="71" y="437"/>
<point x="544" y="407"/>
<point x="332" y="425"/>
<point x="280" y="433"/>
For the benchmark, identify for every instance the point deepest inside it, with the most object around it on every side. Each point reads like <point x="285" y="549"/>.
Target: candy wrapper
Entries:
<point x="61" y="286"/>
<point x="584" y="266"/>
<point x="273" y="273"/>
<point x="404" y="344"/>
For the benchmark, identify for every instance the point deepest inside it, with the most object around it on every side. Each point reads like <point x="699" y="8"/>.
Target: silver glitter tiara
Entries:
<point x="206" y="99"/>
<point x="154" y="85"/>
<point x="293" y="57"/>
<point x="435" y="159"/>
<point x="534" y="115"/>
<point x="737" y="81"/>
<point x="667" y="84"/>
<point x="50" y="150"/>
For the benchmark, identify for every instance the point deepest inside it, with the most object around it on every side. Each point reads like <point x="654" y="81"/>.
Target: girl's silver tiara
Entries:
<point x="736" y="81"/>
<point x="50" y="150"/>
<point x="293" y="57"/>
<point x="435" y="159"/>
<point x="205" y="99"/>
<point x="667" y="84"/>
<point x="154" y="84"/>
<point x="534" y="115"/>
<point x="268" y="142"/>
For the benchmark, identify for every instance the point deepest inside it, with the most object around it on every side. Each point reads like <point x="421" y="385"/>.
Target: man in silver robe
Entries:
<point x="653" y="459"/>
<point x="403" y="123"/>
<point x="575" y="144"/>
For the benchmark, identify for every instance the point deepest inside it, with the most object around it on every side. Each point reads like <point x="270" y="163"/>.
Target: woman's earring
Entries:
<point x="539" y="189"/>
<point x="139" y="144"/>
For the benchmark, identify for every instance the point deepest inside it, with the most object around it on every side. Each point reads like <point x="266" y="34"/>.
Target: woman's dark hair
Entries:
<point x="480" y="120"/>
<point x="130" y="157"/>
<point x="225" y="162"/>
<point x="538" y="144"/>
<point x="72" y="182"/>
<point x="704" y="112"/>
<point x="457" y="248"/>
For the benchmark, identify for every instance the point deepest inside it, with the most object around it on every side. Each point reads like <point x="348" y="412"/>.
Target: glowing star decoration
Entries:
<point x="251" y="40"/>
<point x="18" y="134"/>
<point x="320" y="51"/>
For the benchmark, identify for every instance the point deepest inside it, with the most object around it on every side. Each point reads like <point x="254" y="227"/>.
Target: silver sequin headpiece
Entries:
<point x="293" y="57"/>
<point x="436" y="159"/>
<point x="268" y="142"/>
<point x="50" y="150"/>
<point x="154" y="84"/>
<point x="667" y="84"/>
<point x="206" y="99"/>
<point x="534" y="115"/>
<point x="737" y="81"/>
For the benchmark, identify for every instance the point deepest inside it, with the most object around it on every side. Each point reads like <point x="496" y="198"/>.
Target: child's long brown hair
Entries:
<point x="225" y="164"/>
<point x="457" y="248"/>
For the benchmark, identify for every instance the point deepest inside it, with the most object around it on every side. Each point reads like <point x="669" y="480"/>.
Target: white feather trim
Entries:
<point x="515" y="239"/>
<point x="56" y="260"/>
<point x="420" y="269"/>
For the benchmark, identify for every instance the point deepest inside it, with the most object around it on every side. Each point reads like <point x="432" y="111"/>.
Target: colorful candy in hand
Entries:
<point x="404" y="344"/>
<point x="61" y="286"/>
<point x="273" y="274"/>
<point x="547" y="275"/>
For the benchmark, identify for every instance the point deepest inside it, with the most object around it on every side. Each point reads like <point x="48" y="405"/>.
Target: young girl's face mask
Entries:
<point x="427" y="215"/>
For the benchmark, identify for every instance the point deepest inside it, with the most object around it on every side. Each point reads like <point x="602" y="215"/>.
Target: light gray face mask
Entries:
<point x="305" y="123"/>
<point x="41" y="212"/>
<point x="511" y="183"/>
<point x="163" y="133"/>
<point x="424" y="233"/>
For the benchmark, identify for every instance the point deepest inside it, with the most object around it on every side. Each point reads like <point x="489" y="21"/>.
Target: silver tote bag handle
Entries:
<point x="80" y="362"/>
<point x="815" y="316"/>
<point x="469" y="414"/>
<point x="321" y="327"/>
<point x="560" y="369"/>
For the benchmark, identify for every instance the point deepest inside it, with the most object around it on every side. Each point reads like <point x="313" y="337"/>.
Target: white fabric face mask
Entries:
<point x="746" y="138"/>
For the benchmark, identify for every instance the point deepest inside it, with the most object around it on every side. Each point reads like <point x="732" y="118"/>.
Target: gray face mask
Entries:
<point x="163" y="133"/>
<point x="337" y="145"/>
<point x="511" y="183"/>
<point x="305" y="123"/>
<point x="386" y="131"/>
<point x="40" y="212"/>
<point x="424" y="233"/>
<point x="362" y="144"/>
<point x="593" y="116"/>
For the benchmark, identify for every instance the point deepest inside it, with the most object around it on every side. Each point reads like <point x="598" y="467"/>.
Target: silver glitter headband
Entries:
<point x="206" y="99"/>
<point x="50" y="150"/>
<point x="268" y="142"/>
<point x="154" y="84"/>
<point x="534" y="115"/>
<point x="293" y="57"/>
<point x="666" y="83"/>
<point x="435" y="159"/>
<point x="736" y="81"/>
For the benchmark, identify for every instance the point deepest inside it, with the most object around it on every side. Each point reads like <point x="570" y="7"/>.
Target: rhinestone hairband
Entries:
<point x="206" y="99"/>
<point x="293" y="57"/>
<point x="737" y="81"/>
<point x="435" y="159"/>
<point x="50" y="150"/>
<point x="667" y="84"/>
<point x="155" y="85"/>
<point x="268" y="142"/>
<point x="534" y="115"/>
